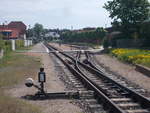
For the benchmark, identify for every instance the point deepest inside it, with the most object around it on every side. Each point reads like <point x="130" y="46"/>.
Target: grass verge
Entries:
<point x="14" y="68"/>
<point x="12" y="105"/>
<point x="134" y="56"/>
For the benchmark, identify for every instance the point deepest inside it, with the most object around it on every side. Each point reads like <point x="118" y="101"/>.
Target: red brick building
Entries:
<point x="14" y="30"/>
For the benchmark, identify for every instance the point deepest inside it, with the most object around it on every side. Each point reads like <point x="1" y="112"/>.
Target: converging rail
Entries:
<point x="115" y="97"/>
<point x="136" y="97"/>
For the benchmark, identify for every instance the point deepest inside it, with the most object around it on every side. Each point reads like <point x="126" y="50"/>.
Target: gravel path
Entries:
<point x="54" y="84"/>
<point x="125" y="70"/>
<point x="62" y="46"/>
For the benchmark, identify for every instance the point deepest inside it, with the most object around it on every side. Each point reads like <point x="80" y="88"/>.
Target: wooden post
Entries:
<point x="13" y="45"/>
<point x="1" y="53"/>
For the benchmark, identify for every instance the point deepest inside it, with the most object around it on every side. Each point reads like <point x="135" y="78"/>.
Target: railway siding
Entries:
<point x="112" y="65"/>
<point x="92" y="83"/>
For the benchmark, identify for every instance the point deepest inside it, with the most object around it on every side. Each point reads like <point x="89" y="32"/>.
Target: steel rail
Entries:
<point x="110" y="105"/>
<point x="113" y="108"/>
<point x="134" y="95"/>
<point x="144" y="101"/>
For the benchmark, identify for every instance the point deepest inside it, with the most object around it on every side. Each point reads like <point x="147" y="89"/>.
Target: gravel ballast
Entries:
<point x="125" y="70"/>
<point x="53" y="84"/>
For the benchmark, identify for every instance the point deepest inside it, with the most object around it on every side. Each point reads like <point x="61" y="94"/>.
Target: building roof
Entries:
<point x="17" y="29"/>
<point x="14" y="32"/>
<point x="5" y="30"/>
<point x="18" y="25"/>
<point x="3" y="26"/>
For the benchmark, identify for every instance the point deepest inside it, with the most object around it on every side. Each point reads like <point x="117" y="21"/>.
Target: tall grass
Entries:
<point x="12" y="105"/>
<point x="14" y="68"/>
<point x="19" y="44"/>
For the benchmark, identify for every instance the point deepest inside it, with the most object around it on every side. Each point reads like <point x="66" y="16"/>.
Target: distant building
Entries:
<point x="52" y="34"/>
<point x="14" y="30"/>
<point x="20" y="26"/>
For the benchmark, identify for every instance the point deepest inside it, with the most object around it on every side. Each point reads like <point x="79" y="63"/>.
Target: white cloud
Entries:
<point x="56" y="13"/>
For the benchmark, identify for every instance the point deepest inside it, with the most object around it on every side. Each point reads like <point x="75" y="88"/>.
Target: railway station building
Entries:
<point x="14" y="30"/>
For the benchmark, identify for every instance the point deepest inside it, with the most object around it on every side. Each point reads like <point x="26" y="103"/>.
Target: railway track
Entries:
<point x="87" y="100"/>
<point x="115" y="97"/>
<point x="92" y="61"/>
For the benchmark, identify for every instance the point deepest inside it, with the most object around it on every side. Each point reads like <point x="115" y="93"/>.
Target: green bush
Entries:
<point x="105" y="43"/>
<point x="7" y="46"/>
<point x="19" y="44"/>
<point x="2" y="43"/>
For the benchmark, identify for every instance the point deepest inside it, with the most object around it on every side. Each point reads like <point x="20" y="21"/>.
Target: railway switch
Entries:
<point x="29" y="82"/>
<point x="42" y="78"/>
<point x="41" y="94"/>
<point x="57" y="51"/>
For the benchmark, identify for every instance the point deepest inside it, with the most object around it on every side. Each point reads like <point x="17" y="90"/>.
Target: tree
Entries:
<point x="30" y="33"/>
<point x="101" y="32"/>
<point x="1" y="42"/>
<point x="128" y="13"/>
<point x="38" y="31"/>
<point x="95" y="36"/>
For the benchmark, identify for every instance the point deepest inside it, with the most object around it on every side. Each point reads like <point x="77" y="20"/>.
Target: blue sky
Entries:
<point x="56" y="13"/>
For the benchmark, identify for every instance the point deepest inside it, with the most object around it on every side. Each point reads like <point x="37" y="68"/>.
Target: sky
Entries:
<point x="56" y="13"/>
